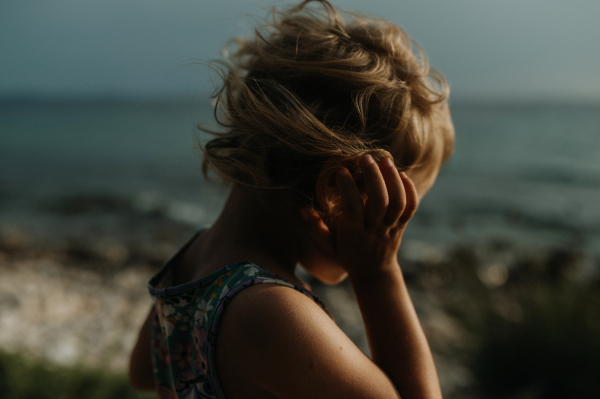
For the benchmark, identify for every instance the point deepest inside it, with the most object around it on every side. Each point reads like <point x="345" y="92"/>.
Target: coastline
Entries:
<point x="78" y="300"/>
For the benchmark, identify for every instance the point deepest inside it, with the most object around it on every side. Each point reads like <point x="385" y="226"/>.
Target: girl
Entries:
<point x="334" y="130"/>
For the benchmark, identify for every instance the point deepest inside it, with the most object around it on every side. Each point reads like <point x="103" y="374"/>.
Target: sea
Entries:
<point x="526" y="173"/>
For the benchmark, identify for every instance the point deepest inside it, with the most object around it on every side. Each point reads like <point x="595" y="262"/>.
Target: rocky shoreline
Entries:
<point x="77" y="295"/>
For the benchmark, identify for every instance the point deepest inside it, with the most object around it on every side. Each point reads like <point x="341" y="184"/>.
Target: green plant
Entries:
<point x="24" y="378"/>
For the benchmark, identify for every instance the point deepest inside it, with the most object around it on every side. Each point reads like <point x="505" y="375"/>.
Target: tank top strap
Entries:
<point x="243" y="276"/>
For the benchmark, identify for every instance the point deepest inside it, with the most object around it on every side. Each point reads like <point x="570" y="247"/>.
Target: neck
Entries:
<point x="254" y="229"/>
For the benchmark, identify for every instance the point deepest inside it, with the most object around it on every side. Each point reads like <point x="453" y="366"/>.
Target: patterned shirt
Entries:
<point x="184" y="324"/>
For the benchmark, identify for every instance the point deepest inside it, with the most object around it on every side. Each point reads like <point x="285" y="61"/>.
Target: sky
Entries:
<point x="488" y="50"/>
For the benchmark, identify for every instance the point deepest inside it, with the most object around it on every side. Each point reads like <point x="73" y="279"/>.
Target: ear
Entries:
<point x="326" y="186"/>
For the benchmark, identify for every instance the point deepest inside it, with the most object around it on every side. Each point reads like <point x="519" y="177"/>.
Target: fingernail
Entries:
<point x="368" y="159"/>
<point x="343" y="172"/>
<point x="387" y="162"/>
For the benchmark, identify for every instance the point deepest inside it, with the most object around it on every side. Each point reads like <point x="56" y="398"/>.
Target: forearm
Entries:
<point x="396" y="339"/>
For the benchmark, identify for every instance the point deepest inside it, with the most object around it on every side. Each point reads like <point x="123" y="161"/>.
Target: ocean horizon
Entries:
<point x="521" y="172"/>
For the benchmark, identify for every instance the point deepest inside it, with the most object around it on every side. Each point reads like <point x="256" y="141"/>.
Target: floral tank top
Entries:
<point x="184" y="324"/>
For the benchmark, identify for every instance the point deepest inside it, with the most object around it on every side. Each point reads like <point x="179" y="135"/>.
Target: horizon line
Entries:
<point x="99" y="98"/>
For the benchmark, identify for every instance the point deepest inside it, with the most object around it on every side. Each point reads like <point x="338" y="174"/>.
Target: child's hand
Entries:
<point x="364" y="239"/>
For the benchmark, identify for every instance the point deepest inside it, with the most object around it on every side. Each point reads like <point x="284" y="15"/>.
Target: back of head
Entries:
<point x="313" y="91"/>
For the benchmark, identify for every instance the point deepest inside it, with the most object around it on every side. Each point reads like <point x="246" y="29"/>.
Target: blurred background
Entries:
<point x="100" y="181"/>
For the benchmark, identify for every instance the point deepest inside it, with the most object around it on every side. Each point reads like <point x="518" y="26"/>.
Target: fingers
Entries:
<point x="395" y="189"/>
<point x="391" y="196"/>
<point x="352" y="204"/>
<point x="412" y="199"/>
<point x="377" y="194"/>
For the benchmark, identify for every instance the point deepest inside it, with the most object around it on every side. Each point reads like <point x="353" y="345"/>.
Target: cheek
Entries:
<point x="422" y="189"/>
<point x="423" y="181"/>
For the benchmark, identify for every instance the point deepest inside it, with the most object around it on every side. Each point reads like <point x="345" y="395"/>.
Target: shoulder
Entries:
<point x="266" y="312"/>
<point x="279" y="339"/>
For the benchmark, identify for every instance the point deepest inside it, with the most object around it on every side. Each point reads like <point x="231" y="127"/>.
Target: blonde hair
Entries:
<point x="312" y="91"/>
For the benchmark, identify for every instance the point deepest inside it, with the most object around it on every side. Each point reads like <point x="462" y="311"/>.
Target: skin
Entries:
<point x="275" y="342"/>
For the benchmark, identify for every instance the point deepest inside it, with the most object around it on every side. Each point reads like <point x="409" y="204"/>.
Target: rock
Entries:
<point x="13" y="239"/>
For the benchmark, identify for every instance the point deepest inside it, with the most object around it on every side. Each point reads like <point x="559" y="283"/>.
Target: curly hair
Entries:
<point x="313" y="91"/>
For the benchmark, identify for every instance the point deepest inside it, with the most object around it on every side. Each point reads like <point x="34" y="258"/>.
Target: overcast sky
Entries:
<point x="500" y="49"/>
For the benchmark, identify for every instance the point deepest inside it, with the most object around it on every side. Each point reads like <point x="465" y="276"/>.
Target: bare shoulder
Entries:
<point x="276" y="342"/>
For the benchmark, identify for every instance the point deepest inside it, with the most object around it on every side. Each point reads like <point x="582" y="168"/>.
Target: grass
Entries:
<point x="554" y="352"/>
<point x="24" y="378"/>
<point x="537" y="336"/>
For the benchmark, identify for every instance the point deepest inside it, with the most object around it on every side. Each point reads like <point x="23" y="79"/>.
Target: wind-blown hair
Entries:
<point x="312" y="91"/>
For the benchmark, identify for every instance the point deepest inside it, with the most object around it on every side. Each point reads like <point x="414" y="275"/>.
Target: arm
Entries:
<point x="275" y="341"/>
<point x="398" y="344"/>
<point x="367" y="237"/>
<point x="141" y="375"/>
